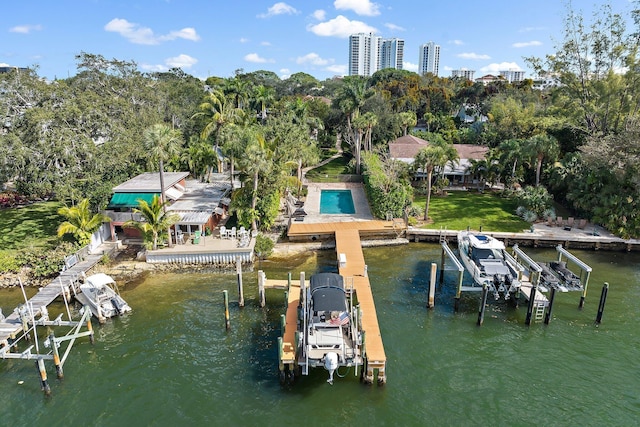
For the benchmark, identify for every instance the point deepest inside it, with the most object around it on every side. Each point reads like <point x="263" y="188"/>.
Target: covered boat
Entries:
<point x="488" y="262"/>
<point x="329" y="332"/>
<point x="100" y="292"/>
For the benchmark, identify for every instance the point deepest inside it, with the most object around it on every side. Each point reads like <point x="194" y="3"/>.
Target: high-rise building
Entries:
<point x="429" y="61"/>
<point x="392" y="54"/>
<point x="467" y="74"/>
<point x="364" y="54"/>
<point x="512" y="75"/>
<point x="369" y="53"/>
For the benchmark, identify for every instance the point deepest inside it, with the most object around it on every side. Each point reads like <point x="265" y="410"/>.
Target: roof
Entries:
<point x="406" y="147"/>
<point x="150" y="182"/>
<point x="129" y="200"/>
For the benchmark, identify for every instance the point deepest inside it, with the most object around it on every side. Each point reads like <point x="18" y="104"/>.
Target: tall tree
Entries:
<point x="263" y="95"/>
<point x="157" y="220"/>
<point x="428" y="159"/>
<point x="539" y="147"/>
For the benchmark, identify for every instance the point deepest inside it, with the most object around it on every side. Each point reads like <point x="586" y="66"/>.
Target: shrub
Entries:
<point x="535" y="199"/>
<point x="8" y="263"/>
<point x="264" y="246"/>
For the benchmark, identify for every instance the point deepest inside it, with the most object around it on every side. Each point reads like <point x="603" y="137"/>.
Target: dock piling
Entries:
<point x="227" y="324"/>
<point x="432" y="285"/>
<point x="261" y="294"/>
<point x="240" y="289"/>
<point x="603" y="300"/>
<point x="532" y="303"/>
<point x="43" y="376"/>
<point x="56" y="356"/>
<point x="483" y="304"/>
<point x="552" y="297"/>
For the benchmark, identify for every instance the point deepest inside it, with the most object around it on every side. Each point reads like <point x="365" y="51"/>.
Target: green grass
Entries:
<point x="461" y="209"/>
<point x="33" y="225"/>
<point x="337" y="166"/>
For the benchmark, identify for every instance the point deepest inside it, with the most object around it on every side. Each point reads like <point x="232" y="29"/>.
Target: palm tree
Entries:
<point x="218" y="113"/>
<point x="371" y="121"/>
<point x="480" y="169"/>
<point x="350" y="99"/>
<point x="427" y="159"/>
<point x="407" y="118"/>
<point x="256" y="161"/>
<point x="80" y="222"/>
<point x="263" y="95"/>
<point x="539" y="147"/>
<point x="510" y="151"/>
<point x="156" y="220"/>
<point x="163" y="143"/>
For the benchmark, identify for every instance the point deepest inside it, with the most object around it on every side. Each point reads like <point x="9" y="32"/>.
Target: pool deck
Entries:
<point x="312" y="203"/>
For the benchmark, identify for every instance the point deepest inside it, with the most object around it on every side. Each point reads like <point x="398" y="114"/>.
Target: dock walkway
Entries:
<point x="11" y="326"/>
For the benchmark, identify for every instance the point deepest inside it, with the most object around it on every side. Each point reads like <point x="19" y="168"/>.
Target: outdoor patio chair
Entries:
<point x="559" y="221"/>
<point x="233" y="234"/>
<point x="582" y="223"/>
<point x="568" y="225"/>
<point x="223" y="232"/>
<point x="550" y="221"/>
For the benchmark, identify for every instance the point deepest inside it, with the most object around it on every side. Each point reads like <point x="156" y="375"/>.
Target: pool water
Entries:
<point x="336" y="202"/>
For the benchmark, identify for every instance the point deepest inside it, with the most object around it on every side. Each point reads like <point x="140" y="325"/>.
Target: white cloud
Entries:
<point x="361" y="7"/>
<point x="319" y="14"/>
<point x="447" y="68"/>
<point x="143" y="35"/>
<point x="529" y="29"/>
<point x="457" y="42"/>
<point x="181" y="61"/>
<point x="265" y="43"/>
<point x="312" y="58"/>
<point x="495" y="68"/>
<point x="394" y="27"/>
<point x="244" y="40"/>
<point x="527" y="44"/>
<point x="25" y="29"/>
<point x="340" y="70"/>
<point x="285" y="73"/>
<point x="409" y="66"/>
<point x="254" y="57"/>
<point x="470" y="55"/>
<point x="340" y="27"/>
<point x="3" y="64"/>
<point x="279" y="8"/>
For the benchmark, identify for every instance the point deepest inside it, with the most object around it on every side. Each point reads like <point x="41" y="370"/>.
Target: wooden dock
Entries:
<point x="300" y="231"/>
<point x="11" y="326"/>
<point x="348" y="243"/>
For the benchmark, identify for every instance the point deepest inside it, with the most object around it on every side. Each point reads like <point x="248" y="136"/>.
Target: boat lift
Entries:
<point x="585" y="271"/>
<point x="446" y="250"/>
<point x="29" y="330"/>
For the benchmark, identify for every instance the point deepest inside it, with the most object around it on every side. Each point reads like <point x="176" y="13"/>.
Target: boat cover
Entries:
<point x="327" y="292"/>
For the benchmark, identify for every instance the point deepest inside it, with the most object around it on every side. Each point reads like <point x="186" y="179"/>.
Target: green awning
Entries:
<point x="129" y="200"/>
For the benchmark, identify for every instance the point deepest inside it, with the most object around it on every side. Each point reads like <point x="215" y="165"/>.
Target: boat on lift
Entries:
<point x="568" y="277"/>
<point x="330" y="335"/>
<point x="100" y="293"/>
<point x="488" y="262"/>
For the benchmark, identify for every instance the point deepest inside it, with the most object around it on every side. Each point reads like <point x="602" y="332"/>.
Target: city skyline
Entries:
<point x="284" y="37"/>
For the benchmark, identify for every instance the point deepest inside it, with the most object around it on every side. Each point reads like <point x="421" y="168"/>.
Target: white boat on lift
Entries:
<point x="100" y="293"/>
<point x="330" y="336"/>
<point x="488" y="262"/>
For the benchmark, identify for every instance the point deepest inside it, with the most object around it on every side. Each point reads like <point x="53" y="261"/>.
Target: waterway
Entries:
<point x="171" y="361"/>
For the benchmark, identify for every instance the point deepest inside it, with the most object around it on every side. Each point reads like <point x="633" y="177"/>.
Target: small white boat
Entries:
<point x="100" y="292"/>
<point x="488" y="262"/>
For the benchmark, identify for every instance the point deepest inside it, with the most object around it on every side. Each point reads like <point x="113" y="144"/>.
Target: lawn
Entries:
<point x="29" y="226"/>
<point x="461" y="209"/>
<point x="329" y="171"/>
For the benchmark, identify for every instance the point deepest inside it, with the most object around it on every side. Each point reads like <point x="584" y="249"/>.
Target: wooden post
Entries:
<point x="552" y="297"/>
<point x="239" y="274"/>
<point x="92" y="338"/>
<point x="532" y="299"/>
<point x="603" y="300"/>
<point x="483" y="304"/>
<point x="56" y="356"/>
<point x="43" y="376"/>
<point x="432" y="285"/>
<point x="456" y="304"/>
<point x="261" y="294"/>
<point x="442" y="259"/>
<point x="227" y="324"/>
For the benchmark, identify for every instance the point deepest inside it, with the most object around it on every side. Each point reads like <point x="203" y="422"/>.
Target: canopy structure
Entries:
<point x="129" y="200"/>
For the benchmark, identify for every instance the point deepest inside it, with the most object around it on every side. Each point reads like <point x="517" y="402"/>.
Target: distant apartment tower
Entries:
<point x="392" y="54"/>
<point x="513" y="75"/>
<point x="429" y="60"/>
<point x="467" y="74"/>
<point x="364" y="54"/>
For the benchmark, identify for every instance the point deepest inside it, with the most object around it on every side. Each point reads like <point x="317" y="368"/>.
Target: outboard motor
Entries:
<point x="331" y="364"/>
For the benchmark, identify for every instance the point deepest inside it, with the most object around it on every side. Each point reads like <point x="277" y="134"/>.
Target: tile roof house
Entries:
<point x="406" y="147"/>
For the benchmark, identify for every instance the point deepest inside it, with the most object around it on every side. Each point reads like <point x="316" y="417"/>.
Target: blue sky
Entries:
<point x="215" y="38"/>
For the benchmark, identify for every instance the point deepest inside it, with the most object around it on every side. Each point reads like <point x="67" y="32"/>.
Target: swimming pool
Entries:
<point x="336" y="202"/>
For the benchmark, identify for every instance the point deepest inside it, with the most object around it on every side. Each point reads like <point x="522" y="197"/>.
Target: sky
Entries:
<point x="216" y="38"/>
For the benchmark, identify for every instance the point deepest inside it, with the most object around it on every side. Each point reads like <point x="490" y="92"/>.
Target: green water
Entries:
<point x="171" y="362"/>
